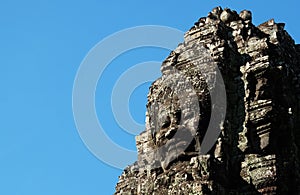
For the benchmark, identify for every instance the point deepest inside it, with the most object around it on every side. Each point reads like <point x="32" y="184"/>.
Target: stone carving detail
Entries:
<point x="258" y="149"/>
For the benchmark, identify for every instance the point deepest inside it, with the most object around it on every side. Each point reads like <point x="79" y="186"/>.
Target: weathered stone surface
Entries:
<point x="258" y="149"/>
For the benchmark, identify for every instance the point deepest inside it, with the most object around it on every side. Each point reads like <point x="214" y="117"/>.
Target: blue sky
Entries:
<point x="42" y="44"/>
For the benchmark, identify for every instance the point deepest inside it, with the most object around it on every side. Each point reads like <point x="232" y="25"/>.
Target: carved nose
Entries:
<point x="166" y="123"/>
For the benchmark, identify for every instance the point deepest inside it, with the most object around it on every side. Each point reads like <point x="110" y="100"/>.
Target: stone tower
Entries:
<point x="258" y="148"/>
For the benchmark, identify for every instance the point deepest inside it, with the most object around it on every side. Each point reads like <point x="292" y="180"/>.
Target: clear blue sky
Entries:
<point x="42" y="44"/>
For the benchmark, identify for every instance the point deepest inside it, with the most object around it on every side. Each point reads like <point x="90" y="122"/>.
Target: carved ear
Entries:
<point x="177" y="116"/>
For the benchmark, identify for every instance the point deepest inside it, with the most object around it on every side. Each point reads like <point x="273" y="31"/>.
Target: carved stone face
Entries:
<point x="166" y="119"/>
<point x="174" y="114"/>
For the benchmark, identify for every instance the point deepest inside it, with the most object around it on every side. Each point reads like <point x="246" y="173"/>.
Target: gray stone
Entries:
<point x="246" y="15"/>
<point x="258" y="149"/>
